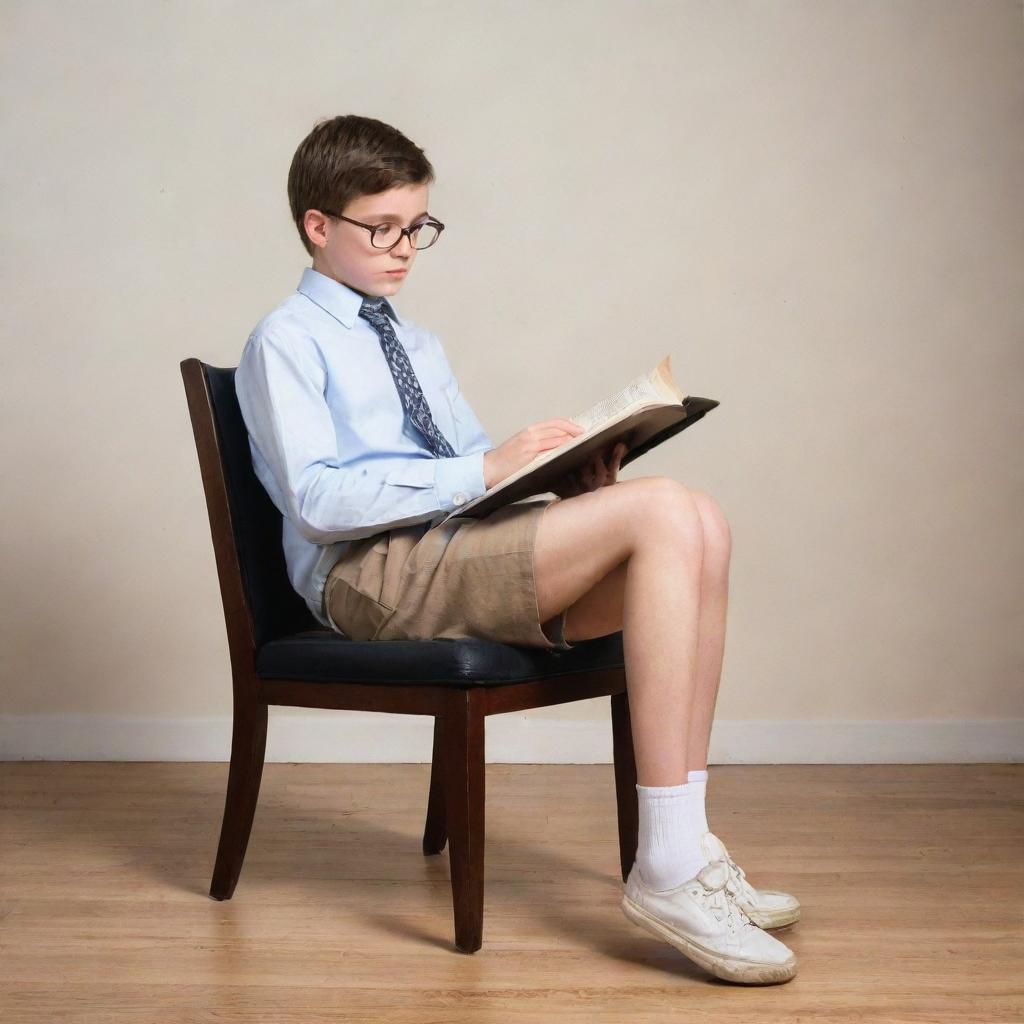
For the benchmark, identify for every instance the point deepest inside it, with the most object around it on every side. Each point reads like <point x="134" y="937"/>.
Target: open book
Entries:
<point x="647" y="411"/>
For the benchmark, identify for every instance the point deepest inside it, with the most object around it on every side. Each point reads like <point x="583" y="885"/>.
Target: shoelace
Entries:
<point x="746" y="890"/>
<point x="743" y="888"/>
<point x="721" y="905"/>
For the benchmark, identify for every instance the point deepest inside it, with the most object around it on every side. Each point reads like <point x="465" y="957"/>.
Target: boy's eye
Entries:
<point x="422" y="234"/>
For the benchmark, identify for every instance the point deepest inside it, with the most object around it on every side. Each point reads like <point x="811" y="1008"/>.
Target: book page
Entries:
<point x="651" y="388"/>
<point x="636" y="392"/>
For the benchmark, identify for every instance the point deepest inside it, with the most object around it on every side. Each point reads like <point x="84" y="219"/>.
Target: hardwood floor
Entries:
<point x="911" y="879"/>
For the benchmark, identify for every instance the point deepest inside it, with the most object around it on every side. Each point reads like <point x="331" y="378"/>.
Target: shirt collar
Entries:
<point x="338" y="299"/>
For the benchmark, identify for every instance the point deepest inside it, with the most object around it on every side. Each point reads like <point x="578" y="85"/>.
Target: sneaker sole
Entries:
<point x="729" y="968"/>
<point x="772" y="919"/>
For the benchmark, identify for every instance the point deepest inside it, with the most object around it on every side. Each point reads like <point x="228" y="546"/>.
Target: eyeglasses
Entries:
<point x="386" y="236"/>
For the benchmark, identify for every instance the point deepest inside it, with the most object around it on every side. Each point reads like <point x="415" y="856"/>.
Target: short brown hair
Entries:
<point x="349" y="156"/>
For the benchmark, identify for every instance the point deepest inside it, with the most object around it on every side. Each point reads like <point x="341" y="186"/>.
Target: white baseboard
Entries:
<point x="520" y="738"/>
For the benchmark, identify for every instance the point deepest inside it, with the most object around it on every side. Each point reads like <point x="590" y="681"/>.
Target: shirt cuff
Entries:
<point x="459" y="479"/>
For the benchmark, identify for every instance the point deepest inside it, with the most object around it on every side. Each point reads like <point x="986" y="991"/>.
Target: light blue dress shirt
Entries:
<point x="330" y="441"/>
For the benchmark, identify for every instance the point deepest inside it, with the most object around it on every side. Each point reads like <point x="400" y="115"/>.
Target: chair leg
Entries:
<point x="435" y="832"/>
<point x="463" y="759"/>
<point x="248" y="747"/>
<point x="625" y="781"/>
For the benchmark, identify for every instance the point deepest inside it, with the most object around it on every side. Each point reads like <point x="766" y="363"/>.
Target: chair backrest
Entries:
<point x="260" y="603"/>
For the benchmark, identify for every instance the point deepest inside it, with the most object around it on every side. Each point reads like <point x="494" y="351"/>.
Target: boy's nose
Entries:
<point x="403" y="247"/>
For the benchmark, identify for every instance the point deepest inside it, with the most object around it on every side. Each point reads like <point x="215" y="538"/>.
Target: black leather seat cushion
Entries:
<point x="322" y="655"/>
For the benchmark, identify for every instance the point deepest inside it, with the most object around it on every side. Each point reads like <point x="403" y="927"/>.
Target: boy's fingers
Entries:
<point x="569" y="426"/>
<point x="613" y="469"/>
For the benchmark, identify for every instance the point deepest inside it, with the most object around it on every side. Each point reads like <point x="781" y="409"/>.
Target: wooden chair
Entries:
<point x="281" y="655"/>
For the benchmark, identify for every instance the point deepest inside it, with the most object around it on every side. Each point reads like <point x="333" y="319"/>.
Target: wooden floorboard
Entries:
<point x="911" y="879"/>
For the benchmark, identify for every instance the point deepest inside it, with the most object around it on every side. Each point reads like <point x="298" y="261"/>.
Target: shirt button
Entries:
<point x="460" y="498"/>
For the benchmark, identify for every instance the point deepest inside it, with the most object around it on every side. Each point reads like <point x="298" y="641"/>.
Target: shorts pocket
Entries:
<point x="355" y="593"/>
<point x="359" y="617"/>
<point x="361" y="567"/>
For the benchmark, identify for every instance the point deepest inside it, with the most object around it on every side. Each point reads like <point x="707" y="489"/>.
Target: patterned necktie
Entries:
<point x="373" y="310"/>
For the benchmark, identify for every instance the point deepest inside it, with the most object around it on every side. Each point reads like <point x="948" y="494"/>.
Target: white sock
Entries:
<point x="668" y="851"/>
<point x="699" y="779"/>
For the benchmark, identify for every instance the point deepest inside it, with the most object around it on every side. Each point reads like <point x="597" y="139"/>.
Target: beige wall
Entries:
<point x="815" y="207"/>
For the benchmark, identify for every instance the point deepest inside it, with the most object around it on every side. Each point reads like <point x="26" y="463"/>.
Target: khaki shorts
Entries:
<point x="466" y="578"/>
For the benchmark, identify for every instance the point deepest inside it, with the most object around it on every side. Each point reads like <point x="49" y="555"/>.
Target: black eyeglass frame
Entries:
<point x="374" y="228"/>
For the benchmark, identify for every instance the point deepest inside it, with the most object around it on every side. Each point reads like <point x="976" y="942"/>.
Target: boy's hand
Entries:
<point x="601" y="471"/>
<point x="525" y="446"/>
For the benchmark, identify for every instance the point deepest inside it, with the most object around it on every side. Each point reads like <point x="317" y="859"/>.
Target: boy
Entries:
<point x="364" y="441"/>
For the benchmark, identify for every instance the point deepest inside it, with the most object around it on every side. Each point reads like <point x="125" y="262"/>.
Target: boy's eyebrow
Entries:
<point x="394" y="216"/>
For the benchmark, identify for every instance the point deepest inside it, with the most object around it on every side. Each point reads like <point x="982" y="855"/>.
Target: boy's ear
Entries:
<point x="315" y="224"/>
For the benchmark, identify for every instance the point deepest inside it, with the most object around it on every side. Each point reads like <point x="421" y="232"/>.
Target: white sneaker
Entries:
<point x="702" y="920"/>
<point x="767" y="908"/>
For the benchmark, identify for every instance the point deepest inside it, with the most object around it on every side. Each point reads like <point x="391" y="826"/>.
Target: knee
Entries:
<point x="717" y="532"/>
<point x="664" y="508"/>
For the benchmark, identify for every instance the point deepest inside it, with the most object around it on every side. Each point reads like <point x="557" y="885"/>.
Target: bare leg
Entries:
<point x="661" y="616"/>
<point x="714" y="603"/>
<point x="600" y="612"/>
<point x="606" y="560"/>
